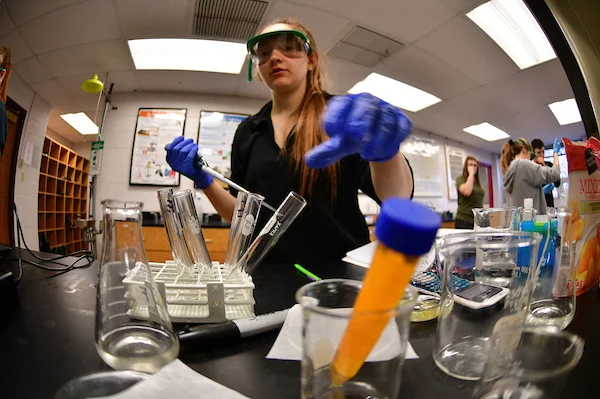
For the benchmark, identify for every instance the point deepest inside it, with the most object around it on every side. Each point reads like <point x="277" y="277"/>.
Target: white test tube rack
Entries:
<point x="198" y="297"/>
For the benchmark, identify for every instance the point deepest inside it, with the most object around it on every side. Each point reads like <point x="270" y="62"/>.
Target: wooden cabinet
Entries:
<point x="62" y="196"/>
<point x="157" y="246"/>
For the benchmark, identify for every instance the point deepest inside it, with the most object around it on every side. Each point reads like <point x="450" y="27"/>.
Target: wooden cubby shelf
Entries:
<point x="62" y="196"/>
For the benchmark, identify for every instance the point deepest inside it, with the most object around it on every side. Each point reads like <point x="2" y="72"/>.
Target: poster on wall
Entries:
<point x="155" y="128"/>
<point x="215" y="136"/>
<point x="455" y="158"/>
<point x="425" y="157"/>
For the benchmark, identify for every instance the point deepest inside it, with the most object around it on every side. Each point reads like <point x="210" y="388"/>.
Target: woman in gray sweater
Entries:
<point x="522" y="178"/>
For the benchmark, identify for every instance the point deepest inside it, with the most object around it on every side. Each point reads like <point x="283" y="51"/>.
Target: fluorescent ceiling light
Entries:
<point x="188" y="55"/>
<point x="81" y="122"/>
<point x="512" y="26"/>
<point x="394" y="92"/>
<point x="486" y="131"/>
<point x="566" y="111"/>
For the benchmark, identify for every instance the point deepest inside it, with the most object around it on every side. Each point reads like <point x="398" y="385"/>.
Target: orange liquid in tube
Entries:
<point x="385" y="281"/>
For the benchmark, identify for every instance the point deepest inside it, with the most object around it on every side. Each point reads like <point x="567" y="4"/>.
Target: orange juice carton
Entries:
<point x="584" y="200"/>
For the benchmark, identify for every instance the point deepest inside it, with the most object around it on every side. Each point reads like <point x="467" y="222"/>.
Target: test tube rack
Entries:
<point x="201" y="297"/>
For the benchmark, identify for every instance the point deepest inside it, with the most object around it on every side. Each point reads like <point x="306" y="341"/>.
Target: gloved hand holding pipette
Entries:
<point x="181" y="155"/>
<point x="360" y="124"/>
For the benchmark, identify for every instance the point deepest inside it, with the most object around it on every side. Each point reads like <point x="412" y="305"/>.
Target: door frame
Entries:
<point x="490" y="181"/>
<point x="21" y="113"/>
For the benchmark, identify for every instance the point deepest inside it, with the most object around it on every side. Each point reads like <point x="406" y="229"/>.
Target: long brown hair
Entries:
<point x="466" y="170"/>
<point x="510" y="150"/>
<point x="6" y="64"/>
<point x="309" y="130"/>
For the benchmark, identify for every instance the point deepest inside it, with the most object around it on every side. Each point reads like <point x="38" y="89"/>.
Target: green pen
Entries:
<point x="308" y="274"/>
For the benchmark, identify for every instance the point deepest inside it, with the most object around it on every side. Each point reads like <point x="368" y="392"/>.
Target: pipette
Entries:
<point x="202" y="165"/>
<point x="405" y="230"/>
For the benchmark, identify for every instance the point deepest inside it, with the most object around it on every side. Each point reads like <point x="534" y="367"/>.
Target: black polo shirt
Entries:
<point x="324" y="231"/>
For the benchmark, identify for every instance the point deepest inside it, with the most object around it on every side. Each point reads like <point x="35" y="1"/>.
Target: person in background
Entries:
<point x="523" y="178"/>
<point x="538" y="149"/>
<point x="470" y="194"/>
<point x="324" y="148"/>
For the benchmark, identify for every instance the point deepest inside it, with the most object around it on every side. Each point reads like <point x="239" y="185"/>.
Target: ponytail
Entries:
<point x="510" y="150"/>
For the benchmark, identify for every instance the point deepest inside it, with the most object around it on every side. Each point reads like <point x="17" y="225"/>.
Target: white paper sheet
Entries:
<point x="288" y="345"/>
<point x="176" y="380"/>
<point x="362" y="256"/>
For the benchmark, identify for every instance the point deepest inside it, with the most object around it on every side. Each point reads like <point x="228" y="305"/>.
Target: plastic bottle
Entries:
<point x="528" y="211"/>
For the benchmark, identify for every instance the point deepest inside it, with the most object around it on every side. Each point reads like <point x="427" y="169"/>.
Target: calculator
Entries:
<point x="471" y="294"/>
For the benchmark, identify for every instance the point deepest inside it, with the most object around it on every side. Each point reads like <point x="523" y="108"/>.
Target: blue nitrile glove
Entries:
<point x="557" y="144"/>
<point x="181" y="155"/>
<point x="360" y="124"/>
<point x="548" y="188"/>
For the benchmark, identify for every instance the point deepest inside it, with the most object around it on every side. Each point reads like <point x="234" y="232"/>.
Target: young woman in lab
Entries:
<point x="470" y="194"/>
<point x="522" y="178"/>
<point x="325" y="149"/>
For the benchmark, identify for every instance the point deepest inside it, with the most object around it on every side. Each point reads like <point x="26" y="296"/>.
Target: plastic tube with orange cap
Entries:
<point x="405" y="230"/>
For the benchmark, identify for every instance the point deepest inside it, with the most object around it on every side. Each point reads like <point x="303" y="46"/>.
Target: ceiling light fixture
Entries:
<point x="486" y="132"/>
<point x="394" y="92"/>
<point x="566" y="111"/>
<point x="81" y="122"/>
<point x="188" y="55"/>
<point x="512" y="26"/>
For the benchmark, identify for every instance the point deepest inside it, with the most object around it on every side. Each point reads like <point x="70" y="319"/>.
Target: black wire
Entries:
<point x="20" y="235"/>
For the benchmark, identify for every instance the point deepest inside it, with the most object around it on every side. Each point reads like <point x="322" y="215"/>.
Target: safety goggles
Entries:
<point x="290" y="43"/>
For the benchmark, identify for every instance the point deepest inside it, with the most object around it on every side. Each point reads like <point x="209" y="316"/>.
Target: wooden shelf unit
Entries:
<point x="62" y="196"/>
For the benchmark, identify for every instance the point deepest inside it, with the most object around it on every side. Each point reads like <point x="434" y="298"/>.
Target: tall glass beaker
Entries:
<point x="179" y="250"/>
<point x="133" y="330"/>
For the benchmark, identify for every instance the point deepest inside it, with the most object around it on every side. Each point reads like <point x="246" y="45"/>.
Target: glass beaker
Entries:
<point x="491" y="267"/>
<point x="529" y="363"/>
<point x="179" y="250"/>
<point x="327" y="309"/>
<point x="554" y="296"/>
<point x="192" y="232"/>
<point x="133" y="330"/>
<point x="496" y="219"/>
<point x="470" y="310"/>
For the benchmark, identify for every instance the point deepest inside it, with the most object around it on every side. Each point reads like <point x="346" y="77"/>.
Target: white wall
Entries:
<point x="118" y="131"/>
<point x="119" y="127"/>
<point x="27" y="178"/>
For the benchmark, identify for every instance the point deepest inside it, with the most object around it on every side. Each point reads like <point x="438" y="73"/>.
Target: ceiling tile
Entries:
<point x="6" y="23"/>
<point x="341" y="75"/>
<point x="404" y="20"/>
<point x="482" y="103"/>
<point x="23" y="11"/>
<point x="49" y="90"/>
<point x="84" y="102"/>
<point x="463" y="45"/>
<point x="538" y="85"/>
<point x="91" y="21"/>
<point x="32" y="71"/>
<point x="151" y="18"/>
<point x="99" y="57"/>
<point x="185" y="81"/>
<point x="325" y="27"/>
<point x="463" y="6"/>
<point x="19" y="49"/>
<point x="124" y="81"/>
<point x="420" y="69"/>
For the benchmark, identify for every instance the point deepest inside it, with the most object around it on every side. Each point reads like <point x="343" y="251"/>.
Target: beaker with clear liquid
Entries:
<point x="495" y="267"/>
<point x="127" y="339"/>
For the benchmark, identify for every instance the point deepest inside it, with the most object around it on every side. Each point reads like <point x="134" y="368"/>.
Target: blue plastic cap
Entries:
<point x="406" y="226"/>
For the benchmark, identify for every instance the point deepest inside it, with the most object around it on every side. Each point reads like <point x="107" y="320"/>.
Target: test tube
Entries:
<point x="240" y="204"/>
<point x="287" y="212"/>
<point x="174" y="229"/>
<point x="192" y="232"/>
<point x="241" y="233"/>
<point x="405" y="230"/>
